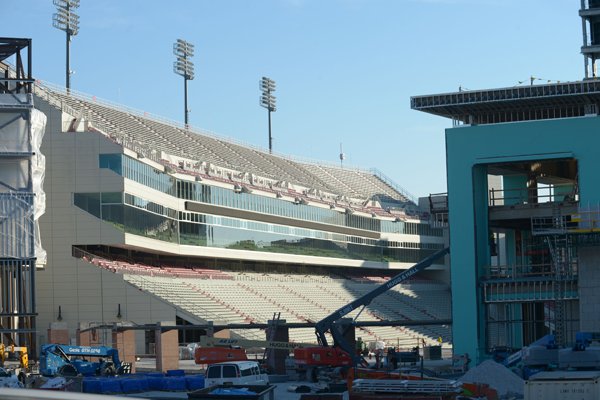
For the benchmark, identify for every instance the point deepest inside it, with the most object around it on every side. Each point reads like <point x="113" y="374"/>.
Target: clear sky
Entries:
<point x="345" y="69"/>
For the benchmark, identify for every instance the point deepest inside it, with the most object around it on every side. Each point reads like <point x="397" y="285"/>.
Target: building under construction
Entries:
<point x="21" y="194"/>
<point x="524" y="258"/>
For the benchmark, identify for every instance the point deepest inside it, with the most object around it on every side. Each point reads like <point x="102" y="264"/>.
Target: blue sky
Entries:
<point x="345" y="69"/>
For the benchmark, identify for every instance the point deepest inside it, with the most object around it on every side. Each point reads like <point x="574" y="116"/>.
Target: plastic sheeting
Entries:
<point x="17" y="230"/>
<point x="22" y="172"/>
<point x="38" y="174"/>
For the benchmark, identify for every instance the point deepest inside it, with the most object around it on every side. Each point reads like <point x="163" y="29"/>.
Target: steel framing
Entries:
<point x="17" y="225"/>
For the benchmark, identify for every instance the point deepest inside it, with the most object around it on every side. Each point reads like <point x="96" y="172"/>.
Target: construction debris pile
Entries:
<point x="496" y="376"/>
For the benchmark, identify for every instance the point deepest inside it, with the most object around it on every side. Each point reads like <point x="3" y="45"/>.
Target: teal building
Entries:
<point x="524" y="255"/>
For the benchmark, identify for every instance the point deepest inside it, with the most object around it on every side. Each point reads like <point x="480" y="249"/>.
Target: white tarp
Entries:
<point x="38" y="171"/>
<point x="22" y="198"/>
<point x="17" y="232"/>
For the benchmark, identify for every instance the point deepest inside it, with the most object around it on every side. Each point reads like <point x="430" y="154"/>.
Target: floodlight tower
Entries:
<point x="66" y="20"/>
<point x="185" y="67"/>
<point x="268" y="101"/>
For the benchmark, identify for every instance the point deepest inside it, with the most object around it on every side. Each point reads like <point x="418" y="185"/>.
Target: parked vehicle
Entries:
<point x="235" y="373"/>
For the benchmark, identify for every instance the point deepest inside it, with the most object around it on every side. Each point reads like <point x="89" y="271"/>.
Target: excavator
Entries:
<point x="342" y="353"/>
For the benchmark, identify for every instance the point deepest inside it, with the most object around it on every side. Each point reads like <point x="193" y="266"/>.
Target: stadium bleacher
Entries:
<point x="155" y="136"/>
<point x="242" y="297"/>
<point x="225" y="297"/>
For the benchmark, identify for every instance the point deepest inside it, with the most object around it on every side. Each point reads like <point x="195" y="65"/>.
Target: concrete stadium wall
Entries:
<point x="84" y="292"/>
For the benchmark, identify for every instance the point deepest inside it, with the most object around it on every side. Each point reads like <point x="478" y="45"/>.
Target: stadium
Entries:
<point x="112" y="217"/>
<point x="147" y="220"/>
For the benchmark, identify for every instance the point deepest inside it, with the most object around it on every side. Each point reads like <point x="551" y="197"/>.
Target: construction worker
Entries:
<point x="380" y="356"/>
<point x="467" y="360"/>
<point x="359" y="346"/>
<point x="392" y="358"/>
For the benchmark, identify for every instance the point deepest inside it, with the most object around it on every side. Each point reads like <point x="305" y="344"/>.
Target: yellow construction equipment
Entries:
<point x="14" y="358"/>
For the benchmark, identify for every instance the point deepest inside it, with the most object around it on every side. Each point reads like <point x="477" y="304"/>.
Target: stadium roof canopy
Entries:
<point x="521" y="103"/>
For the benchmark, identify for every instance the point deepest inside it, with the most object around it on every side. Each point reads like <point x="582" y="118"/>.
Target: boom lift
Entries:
<point x="214" y="350"/>
<point x="343" y="353"/>
<point x="58" y="359"/>
<point x="247" y="343"/>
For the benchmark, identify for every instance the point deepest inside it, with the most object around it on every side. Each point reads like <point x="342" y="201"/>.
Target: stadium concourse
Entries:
<point x="148" y="220"/>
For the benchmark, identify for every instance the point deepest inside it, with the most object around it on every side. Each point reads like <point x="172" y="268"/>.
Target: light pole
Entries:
<point x="66" y="20"/>
<point x="184" y="66"/>
<point x="268" y="101"/>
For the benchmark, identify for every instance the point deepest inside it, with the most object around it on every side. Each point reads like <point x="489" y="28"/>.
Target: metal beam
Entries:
<point x="291" y="325"/>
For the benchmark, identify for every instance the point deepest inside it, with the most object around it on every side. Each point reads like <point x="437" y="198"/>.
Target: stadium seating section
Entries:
<point x="201" y="294"/>
<point x="142" y="131"/>
<point x="242" y="297"/>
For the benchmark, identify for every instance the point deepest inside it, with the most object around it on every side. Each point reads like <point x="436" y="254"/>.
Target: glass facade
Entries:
<point x="133" y="214"/>
<point x="197" y="191"/>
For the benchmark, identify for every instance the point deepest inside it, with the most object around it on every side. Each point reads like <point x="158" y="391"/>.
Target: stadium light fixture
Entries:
<point x="184" y="66"/>
<point x="268" y="101"/>
<point x="66" y="20"/>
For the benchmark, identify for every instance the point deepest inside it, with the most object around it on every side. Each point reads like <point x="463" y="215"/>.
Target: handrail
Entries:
<point x="516" y="271"/>
<point x="394" y="185"/>
<point x="544" y="194"/>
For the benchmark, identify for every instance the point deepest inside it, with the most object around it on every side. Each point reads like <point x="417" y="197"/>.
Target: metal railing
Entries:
<point x="538" y="195"/>
<point x="394" y="185"/>
<point x="583" y="221"/>
<point x="519" y="271"/>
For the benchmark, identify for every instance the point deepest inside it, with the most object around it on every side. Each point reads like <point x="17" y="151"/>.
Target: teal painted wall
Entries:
<point x="517" y="331"/>
<point x="515" y="188"/>
<point x="469" y="150"/>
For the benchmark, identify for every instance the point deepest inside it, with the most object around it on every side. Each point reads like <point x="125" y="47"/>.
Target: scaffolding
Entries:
<point x="556" y="232"/>
<point x="22" y="200"/>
